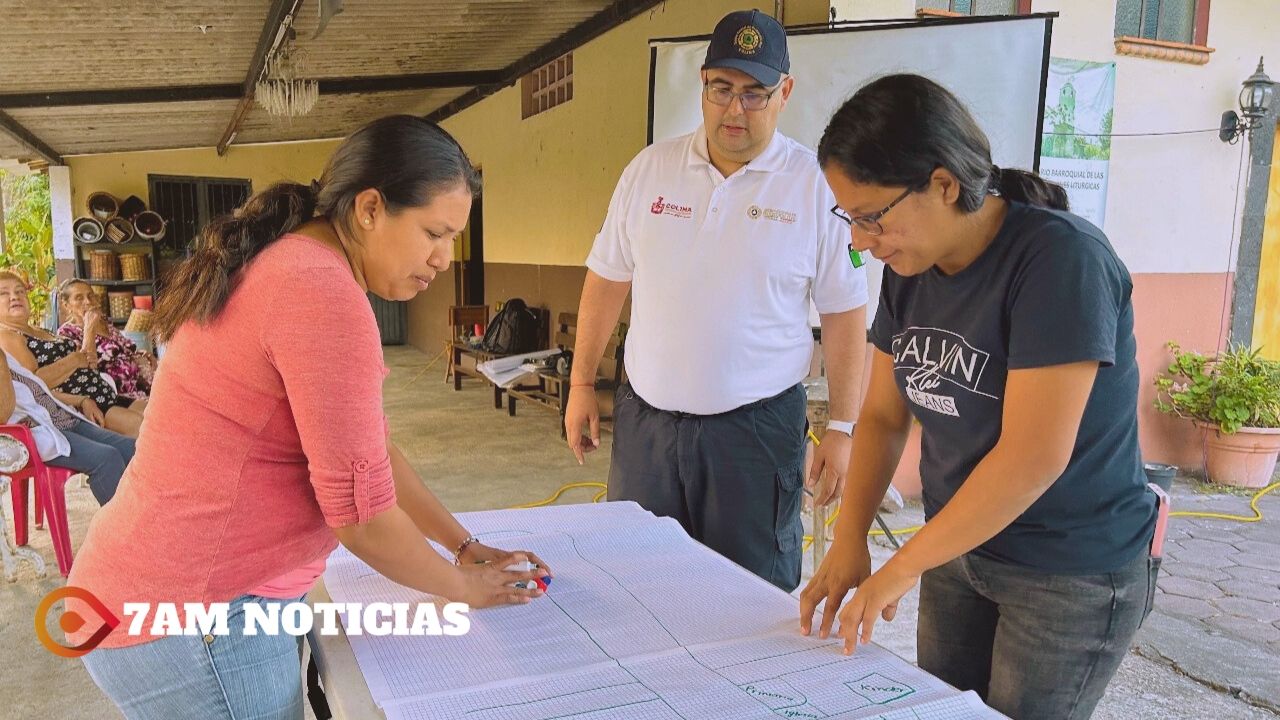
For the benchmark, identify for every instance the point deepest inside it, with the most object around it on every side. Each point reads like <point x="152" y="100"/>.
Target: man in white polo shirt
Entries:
<point x="723" y="237"/>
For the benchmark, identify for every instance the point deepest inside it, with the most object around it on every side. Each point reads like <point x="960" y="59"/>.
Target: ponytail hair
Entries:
<point x="895" y="131"/>
<point x="405" y="158"/>
<point x="1028" y="187"/>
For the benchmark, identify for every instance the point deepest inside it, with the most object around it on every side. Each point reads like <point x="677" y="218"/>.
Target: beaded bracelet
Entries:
<point x="457" y="555"/>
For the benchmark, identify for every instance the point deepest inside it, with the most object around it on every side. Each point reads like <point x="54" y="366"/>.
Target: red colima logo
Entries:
<point x="662" y="207"/>
<point x="71" y="622"/>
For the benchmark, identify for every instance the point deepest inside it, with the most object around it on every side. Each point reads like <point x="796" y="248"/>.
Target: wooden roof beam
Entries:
<point x="196" y="93"/>
<point x="278" y="17"/>
<point x="12" y="127"/>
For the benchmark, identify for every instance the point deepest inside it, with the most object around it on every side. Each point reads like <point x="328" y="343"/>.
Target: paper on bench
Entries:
<point x="506" y="371"/>
<point x="640" y="622"/>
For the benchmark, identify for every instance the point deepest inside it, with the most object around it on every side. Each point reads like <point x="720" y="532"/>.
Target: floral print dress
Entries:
<point x="83" y="381"/>
<point x="117" y="357"/>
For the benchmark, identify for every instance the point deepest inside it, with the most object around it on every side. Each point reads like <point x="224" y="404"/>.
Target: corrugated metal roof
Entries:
<point x="148" y="45"/>
<point x="11" y="149"/>
<point x="79" y="45"/>
<point x="115" y="128"/>
<point x="392" y="37"/>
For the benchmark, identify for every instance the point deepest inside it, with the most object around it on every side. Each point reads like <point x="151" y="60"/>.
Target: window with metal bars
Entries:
<point x="547" y="87"/>
<point x="1180" y="21"/>
<point x="189" y="203"/>
<point x="973" y="7"/>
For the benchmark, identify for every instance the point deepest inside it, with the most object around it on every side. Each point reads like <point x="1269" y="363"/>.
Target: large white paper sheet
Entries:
<point x="640" y="622"/>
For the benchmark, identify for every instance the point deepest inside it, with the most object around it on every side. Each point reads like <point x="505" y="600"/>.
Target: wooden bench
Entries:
<point x="464" y="359"/>
<point x="552" y="389"/>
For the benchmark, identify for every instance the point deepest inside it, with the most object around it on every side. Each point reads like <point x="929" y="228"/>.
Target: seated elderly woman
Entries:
<point x="130" y="368"/>
<point x="71" y="371"/>
<point x="63" y="437"/>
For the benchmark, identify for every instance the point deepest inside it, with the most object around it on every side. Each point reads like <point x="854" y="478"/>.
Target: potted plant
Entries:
<point x="1234" y="397"/>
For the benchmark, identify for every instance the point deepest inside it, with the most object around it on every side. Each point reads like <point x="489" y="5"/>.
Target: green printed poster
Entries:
<point x="1075" y="148"/>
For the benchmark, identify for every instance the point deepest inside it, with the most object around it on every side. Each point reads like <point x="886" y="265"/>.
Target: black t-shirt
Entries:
<point x="1049" y="290"/>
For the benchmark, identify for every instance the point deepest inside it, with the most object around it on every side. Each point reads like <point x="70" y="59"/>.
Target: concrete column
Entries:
<point x="64" y="247"/>
<point x="1249" y="259"/>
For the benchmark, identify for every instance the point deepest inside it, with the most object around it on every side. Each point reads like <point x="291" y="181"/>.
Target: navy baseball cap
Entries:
<point x="750" y="41"/>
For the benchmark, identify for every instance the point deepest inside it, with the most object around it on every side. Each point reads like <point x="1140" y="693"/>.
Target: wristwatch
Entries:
<point x="841" y="426"/>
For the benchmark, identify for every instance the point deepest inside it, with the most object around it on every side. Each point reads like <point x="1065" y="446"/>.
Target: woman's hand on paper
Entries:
<point x="481" y="553"/>
<point x="488" y="584"/>
<point x="878" y="596"/>
<point x="842" y="569"/>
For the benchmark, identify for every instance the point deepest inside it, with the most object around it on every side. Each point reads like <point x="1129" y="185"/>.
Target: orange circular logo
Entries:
<point x="71" y="621"/>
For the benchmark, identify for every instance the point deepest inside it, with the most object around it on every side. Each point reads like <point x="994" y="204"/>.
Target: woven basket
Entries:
<point x="119" y="230"/>
<point x="87" y="229"/>
<point x="104" y="265"/>
<point x="139" y="321"/>
<point x="150" y="225"/>
<point x="121" y="302"/>
<point x="103" y="206"/>
<point x="100" y="295"/>
<point x="133" y="267"/>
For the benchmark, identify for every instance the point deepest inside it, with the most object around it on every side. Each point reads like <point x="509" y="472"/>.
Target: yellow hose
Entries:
<point x="563" y="489"/>
<point x="1253" y="505"/>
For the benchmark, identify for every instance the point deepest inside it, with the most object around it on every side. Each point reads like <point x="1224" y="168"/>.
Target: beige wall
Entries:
<point x="125" y="174"/>
<point x="548" y="179"/>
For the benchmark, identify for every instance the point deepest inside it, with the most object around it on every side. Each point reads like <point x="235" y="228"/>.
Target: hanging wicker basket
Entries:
<point x="119" y="230"/>
<point x="131" y="206"/>
<point x="87" y="229"/>
<point x="103" y="206"/>
<point x="104" y="265"/>
<point x="149" y="225"/>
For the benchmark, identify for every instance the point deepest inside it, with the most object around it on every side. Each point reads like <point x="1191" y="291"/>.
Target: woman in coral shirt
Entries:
<point x="265" y="444"/>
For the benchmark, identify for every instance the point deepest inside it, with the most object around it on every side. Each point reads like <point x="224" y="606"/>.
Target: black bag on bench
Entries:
<point x="514" y="331"/>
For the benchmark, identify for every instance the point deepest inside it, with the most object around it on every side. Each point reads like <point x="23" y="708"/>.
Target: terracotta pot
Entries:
<point x="1246" y="458"/>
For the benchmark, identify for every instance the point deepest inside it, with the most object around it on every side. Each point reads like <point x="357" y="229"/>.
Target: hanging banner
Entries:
<point x="1075" y="148"/>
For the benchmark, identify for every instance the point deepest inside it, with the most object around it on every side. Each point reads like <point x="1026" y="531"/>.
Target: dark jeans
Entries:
<point x="100" y="454"/>
<point x="1033" y="645"/>
<point x="734" y="481"/>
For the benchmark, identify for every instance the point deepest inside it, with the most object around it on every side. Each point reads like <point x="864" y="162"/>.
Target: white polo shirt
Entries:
<point x="722" y="271"/>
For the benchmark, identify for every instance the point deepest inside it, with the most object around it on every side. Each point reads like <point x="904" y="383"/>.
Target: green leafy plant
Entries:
<point x="28" y="231"/>
<point x="1234" y="389"/>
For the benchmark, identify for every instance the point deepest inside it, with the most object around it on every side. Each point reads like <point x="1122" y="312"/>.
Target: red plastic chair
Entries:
<point x="50" y="498"/>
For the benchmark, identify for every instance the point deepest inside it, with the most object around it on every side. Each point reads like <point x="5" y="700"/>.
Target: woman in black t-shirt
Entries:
<point x="1005" y="328"/>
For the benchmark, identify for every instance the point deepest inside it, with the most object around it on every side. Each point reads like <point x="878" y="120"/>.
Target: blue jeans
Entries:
<point x="228" y="677"/>
<point x="99" y="453"/>
<point x="1033" y="645"/>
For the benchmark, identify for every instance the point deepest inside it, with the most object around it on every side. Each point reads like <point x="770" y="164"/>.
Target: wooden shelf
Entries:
<point x="145" y="244"/>
<point x="119" y="283"/>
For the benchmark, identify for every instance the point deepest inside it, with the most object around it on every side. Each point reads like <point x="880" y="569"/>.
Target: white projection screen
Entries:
<point x="997" y="66"/>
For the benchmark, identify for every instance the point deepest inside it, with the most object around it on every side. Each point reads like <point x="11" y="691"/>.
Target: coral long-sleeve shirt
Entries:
<point x="265" y="430"/>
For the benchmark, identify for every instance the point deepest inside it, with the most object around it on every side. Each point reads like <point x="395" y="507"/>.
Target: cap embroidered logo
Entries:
<point x="748" y="41"/>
